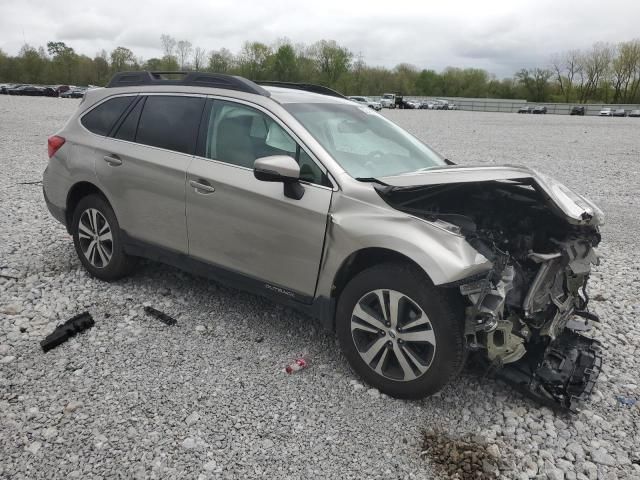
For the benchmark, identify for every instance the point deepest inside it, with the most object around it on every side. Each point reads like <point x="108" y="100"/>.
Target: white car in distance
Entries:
<point x="366" y="101"/>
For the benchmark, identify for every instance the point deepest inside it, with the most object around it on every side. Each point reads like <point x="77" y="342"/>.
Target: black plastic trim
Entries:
<point x="123" y="116"/>
<point x="320" y="308"/>
<point x="191" y="79"/>
<point x="201" y="141"/>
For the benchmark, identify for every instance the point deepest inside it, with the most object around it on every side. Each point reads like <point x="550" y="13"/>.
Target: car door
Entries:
<point x="246" y="225"/>
<point x="142" y="165"/>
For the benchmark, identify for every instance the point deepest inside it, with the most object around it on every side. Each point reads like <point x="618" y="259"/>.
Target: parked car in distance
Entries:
<point x="29" y="90"/>
<point x="60" y="89"/>
<point x="442" y="104"/>
<point x="412" y="104"/>
<point x="50" y="91"/>
<point x="5" y="87"/>
<point x="365" y="101"/>
<point x="577" y="110"/>
<point x="16" y="89"/>
<point x="540" y="109"/>
<point x="427" y="105"/>
<point x="634" y="113"/>
<point x="619" y="112"/>
<point x="75" y="92"/>
<point x="525" y="109"/>
<point x="452" y="106"/>
<point x="296" y="193"/>
<point x="606" y="112"/>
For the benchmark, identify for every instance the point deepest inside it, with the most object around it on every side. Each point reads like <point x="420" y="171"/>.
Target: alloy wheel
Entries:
<point x="393" y="335"/>
<point x="95" y="238"/>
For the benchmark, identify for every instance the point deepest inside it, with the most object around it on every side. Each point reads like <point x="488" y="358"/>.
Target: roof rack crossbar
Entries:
<point x="191" y="79"/>
<point x="307" y="87"/>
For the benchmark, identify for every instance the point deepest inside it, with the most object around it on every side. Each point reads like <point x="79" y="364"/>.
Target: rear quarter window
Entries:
<point x="102" y="118"/>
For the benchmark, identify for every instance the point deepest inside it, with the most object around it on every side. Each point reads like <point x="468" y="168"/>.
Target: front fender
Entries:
<point x="354" y="225"/>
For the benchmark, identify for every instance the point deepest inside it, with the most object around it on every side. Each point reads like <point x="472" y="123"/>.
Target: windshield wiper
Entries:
<point x="370" y="180"/>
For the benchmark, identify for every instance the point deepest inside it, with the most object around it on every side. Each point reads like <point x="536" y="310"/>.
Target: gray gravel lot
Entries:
<point x="207" y="398"/>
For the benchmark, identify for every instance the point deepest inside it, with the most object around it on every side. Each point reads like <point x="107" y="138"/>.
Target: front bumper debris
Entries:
<point x="562" y="375"/>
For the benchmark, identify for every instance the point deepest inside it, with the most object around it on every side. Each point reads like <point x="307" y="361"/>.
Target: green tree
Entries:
<point x="254" y="60"/>
<point x="153" y="64"/>
<point x="122" y="59"/>
<point x="101" y="68"/>
<point x="332" y="60"/>
<point x="285" y="64"/>
<point x="625" y="71"/>
<point x="600" y="74"/>
<point x="429" y="82"/>
<point x="220" y="61"/>
<point x="170" y="63"/>
<point x="535" y="82"/>
<point x="64" y="61"/>
<point x="33" y="64"/>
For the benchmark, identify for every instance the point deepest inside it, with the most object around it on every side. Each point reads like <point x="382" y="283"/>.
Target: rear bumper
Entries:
<point x="58" y="213"/>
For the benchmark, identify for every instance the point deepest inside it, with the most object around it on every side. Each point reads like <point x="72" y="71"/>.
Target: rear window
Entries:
<point x="170" y="122"/>
<point x="101" y="119"/>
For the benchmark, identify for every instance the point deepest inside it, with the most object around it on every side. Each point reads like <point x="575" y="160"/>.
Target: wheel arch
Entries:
<point x="76" y="193"/>
<point x="360" y="260"/>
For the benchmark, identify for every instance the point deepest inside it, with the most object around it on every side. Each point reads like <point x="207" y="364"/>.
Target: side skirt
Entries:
<point x="320" y="308"/>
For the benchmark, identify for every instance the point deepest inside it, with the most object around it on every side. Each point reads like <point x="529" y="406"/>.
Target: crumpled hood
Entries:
<point x="575" y="208"/>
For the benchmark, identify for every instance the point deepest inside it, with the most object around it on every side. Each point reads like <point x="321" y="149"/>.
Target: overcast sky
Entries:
<point x="498" y="35"/>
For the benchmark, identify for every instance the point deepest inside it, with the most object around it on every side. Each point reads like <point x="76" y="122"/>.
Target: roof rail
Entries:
<point x="191" y="79"/>
<point x="307" y="87"/>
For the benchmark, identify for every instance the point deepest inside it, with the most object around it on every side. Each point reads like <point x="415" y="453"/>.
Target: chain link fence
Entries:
<point x="512" y="106"/>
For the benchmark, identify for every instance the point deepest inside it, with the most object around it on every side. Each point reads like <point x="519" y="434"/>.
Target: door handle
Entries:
<point x="204" y="188"/>
<point x="113" y="160"/>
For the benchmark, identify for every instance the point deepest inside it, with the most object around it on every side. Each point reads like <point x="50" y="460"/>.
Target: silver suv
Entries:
<point x="294" y="192"/>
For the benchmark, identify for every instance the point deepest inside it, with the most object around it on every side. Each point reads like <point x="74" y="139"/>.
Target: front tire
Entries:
<point x="98" y="241"/>
<point x="399" y="332"/>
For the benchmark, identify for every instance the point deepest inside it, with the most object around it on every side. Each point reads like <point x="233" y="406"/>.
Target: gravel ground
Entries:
<point x="207" y="398"/>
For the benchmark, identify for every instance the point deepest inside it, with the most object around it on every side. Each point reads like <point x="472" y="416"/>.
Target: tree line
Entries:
<point x="605" y="73"/>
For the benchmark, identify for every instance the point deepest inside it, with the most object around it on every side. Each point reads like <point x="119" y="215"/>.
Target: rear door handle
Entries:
<point x="200" y="187"/>
<point x="113" y="160"/>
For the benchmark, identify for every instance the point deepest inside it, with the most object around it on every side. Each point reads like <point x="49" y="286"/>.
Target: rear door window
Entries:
<point x="170" y="122"/>
<point x="101" y="119"/>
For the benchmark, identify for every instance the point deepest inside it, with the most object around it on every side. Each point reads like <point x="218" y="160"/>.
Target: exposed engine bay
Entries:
<point x="526" y="316"/>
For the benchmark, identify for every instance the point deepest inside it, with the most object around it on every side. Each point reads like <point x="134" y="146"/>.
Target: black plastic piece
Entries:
<point x="68" y="329"/>
<point x="587" y="315"/>
<point x="307" y="87"/>
<point x="564" y="378"/>
<point x="163" y="317"/>
<point x="293" y="190"/>
<point x="190" y="79"/>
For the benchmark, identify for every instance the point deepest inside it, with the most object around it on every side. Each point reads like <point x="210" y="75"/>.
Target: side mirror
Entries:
<point x="280" y="168"/>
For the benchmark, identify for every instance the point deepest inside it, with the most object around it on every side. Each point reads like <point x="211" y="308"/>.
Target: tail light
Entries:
<point x="54" y="144"/>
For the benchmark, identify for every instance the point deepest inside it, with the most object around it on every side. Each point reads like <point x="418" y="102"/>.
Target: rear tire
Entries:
<point x="413" y="355"/>
<point x="98" y="240"/>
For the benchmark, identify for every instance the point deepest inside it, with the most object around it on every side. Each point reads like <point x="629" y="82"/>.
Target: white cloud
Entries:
<point x="499" y="35"/>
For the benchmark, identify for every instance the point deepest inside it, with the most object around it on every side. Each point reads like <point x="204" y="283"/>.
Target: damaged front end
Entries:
<point x="527" y="315"/>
